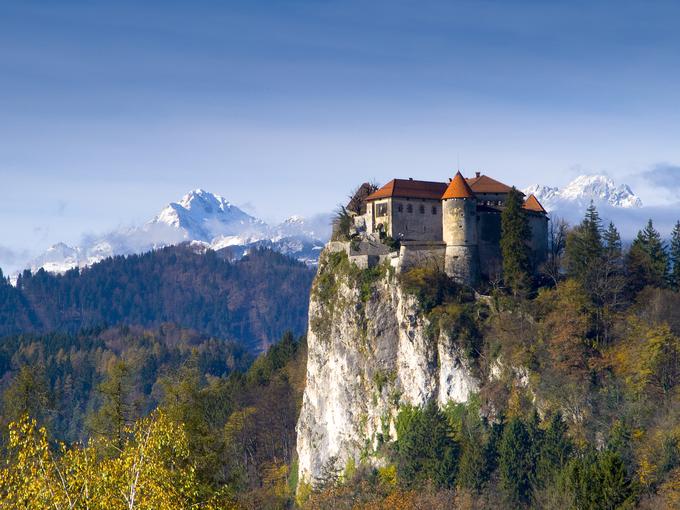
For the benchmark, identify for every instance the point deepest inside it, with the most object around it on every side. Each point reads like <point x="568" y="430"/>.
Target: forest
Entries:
<point x="579" y="408"/>
<point x="251" y="301"/>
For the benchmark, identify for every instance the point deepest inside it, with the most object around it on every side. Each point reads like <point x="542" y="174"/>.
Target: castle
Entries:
<point x="456" y="225"/>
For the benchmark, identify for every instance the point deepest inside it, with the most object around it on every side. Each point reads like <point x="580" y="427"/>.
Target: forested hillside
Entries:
<point x="578" y="405"/>
<point x="221" y="437"/>
<point x="252" y="301"/>
<point x="73" y="382"/>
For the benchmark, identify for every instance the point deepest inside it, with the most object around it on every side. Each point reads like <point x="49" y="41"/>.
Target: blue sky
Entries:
<point x="109" y="110"/>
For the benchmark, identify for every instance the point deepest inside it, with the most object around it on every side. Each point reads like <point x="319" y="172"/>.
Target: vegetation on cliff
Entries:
<point x="581" y="393"/>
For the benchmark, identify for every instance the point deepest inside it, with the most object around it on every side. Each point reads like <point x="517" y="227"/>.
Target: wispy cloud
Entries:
<point x="61" y="207"/>
<point x="664" y="175"/>
<point x="9" y="258"/>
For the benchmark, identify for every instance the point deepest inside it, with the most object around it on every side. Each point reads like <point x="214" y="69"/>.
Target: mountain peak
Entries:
<point x="202" y="198"/>
<point x="203" y="216"/>
<point x="205" y="220"/>
<point x="600" y="189"/>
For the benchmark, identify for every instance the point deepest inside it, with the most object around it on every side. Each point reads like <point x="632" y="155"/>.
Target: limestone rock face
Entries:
<point x="371" y="351"/>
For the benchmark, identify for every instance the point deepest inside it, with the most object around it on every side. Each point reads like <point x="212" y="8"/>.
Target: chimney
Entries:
<point x="477" y="174"/>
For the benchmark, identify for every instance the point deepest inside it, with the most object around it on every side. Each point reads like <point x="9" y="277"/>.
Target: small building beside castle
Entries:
<point x="455" y="224"/>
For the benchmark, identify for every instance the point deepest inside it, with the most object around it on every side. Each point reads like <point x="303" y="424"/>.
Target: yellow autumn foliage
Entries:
<point x="151" y="472"/>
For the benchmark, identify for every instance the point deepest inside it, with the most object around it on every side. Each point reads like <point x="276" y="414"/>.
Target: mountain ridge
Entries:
<point x="600" y="189"/>
<point x="200" y="218"/>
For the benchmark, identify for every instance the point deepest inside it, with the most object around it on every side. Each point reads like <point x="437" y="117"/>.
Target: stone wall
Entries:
<point x="539" y="237"/>
<point x="417" y="219"/>
<point x="420" y="254"/>
<point x="489" y="235"/>
<point x="460" y="236"/>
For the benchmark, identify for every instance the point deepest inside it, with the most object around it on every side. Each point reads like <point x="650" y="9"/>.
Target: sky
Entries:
<point x="110" y="110"/>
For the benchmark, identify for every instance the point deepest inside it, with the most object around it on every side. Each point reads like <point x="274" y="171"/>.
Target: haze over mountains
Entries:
<point x="204" y="219"/>
<point x="207" y="220"/>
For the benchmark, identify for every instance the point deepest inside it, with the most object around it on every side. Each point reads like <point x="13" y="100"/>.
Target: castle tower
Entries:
<point x="459" y="226"/>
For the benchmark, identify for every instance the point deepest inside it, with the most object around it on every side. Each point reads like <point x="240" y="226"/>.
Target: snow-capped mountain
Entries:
<point x="599" y="189"/>
<point x="202" y="216"/>
<point x="58" y="258"/>
<point x="206" y="221"/>
<point x="616" y="203"/>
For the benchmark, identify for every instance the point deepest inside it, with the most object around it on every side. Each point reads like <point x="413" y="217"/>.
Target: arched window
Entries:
<point x="409" y="208"/>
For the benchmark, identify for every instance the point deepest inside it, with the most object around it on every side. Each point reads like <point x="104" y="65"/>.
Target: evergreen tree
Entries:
<point x="555" y="450"/>
<point x="28" y="394"/>
<point x="515" y="464"/>
<point x="597" y="481"/>
<point x="674" y="278"/>
<point x="647" y="259"/>
<point x="515" y="232"/>
<point x="117" y="410"/>
<point x="425" y="448"/>
<point x="584" y="248"/>
<point x="472" y="469"/>
<point x="612" y="244"/>
<point x="492" y="447"/>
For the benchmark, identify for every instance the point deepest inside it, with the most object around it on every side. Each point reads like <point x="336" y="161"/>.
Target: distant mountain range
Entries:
<point x="203" y="219"/>
<point x="208" y="221"/>
<point x="616" y="203"/>
<point x="599" y="189"/>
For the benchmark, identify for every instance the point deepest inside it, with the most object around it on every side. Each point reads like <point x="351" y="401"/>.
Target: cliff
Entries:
<point x="377" y="342"/>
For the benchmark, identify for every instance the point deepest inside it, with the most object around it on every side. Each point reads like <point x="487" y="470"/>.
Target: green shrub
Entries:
<point x="432" y="287"/>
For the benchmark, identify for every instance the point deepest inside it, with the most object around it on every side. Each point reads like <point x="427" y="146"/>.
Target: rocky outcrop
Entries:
<point x="371" y="351"/>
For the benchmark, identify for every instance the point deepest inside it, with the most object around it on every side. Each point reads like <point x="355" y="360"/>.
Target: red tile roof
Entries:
<point x="485" y="184"/>
<point x="458" y="188"/>
<point x="532" y="204"/>
<point x="408" y="188"/>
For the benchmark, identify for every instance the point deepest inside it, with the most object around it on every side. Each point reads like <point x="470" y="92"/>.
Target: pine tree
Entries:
<point x="555" y="450"/>
<point x="472" y="469"/>
<point x="674" y="278"/>
<point x="647" y="259"/>
<point x="515" y="464"/>
<point x="612" y="243"/>
<point x="27" y="394"/>
<point x="515" y="232"/>
<point x="425" y="449"/>
<point x="117" y="410"/>
<point x="597" y="481"/>
<point x="584" y="249"/>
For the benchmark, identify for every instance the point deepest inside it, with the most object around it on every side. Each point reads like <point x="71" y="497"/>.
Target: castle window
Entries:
<point x="422" y="209"/>
<point x="434" y="209"/>
<point x="381" y="209"/>
<point x="409" y="208"/>
<point x="400" y="208"/>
